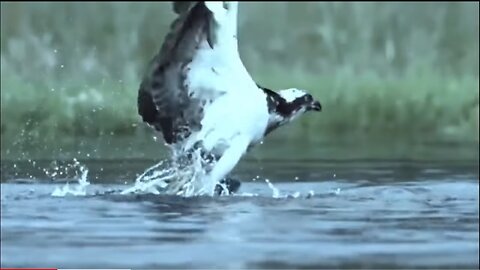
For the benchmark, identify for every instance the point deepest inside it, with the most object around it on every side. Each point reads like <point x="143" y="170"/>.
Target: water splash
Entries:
<point x="177" y="176"/>
<point x="62" y="170"/>
<point x="276" y="194"/>
<point x="275" y="191"/>
<point x="153" y="179"/>
<point x="78" y="190"/>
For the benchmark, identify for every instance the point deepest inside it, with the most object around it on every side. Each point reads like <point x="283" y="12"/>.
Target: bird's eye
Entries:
<point x="308" y="98"/>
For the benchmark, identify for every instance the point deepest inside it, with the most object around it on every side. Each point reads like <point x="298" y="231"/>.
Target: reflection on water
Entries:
<point x="362" y="214"/>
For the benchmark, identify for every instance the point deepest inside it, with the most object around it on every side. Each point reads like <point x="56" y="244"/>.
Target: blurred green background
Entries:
<point x="391" y="76"/>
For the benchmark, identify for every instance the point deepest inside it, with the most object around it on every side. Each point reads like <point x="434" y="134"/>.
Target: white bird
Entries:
<point x="198" y="93"/>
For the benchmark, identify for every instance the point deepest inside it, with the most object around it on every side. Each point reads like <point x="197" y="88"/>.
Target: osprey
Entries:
<point x="199" y="95"/>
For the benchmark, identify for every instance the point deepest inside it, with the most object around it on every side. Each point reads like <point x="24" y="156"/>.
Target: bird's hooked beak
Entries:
<point x="316" y="106"/>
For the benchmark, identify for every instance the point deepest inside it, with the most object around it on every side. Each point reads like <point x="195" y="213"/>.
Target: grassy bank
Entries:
<point x="418" y="109"/>
<point x="391" y="71"/>
<point x="425" y="105"/>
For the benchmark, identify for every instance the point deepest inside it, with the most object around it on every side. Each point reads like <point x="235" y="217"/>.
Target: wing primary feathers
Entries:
<point x="183" y="7"/>
<point x="180" y="7"/>
<point x="163" y="99"/>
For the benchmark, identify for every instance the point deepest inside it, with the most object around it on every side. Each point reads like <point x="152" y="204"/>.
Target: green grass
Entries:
<point x="423" y="106"/>
<point x="78" y="122"/>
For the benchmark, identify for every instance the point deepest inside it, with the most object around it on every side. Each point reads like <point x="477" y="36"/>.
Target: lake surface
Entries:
<point x="359" y="213"/>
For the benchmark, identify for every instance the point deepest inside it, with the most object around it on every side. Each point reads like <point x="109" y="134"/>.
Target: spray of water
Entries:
<point x="186" y="177"/>
<point x="276" y="192"/>
<point x="176" y="176"/>
<point x="78" y="190"/>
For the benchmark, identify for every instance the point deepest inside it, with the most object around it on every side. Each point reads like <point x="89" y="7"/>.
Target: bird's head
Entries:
<point x="297" y="100"/>
<point x="288" y="104"/>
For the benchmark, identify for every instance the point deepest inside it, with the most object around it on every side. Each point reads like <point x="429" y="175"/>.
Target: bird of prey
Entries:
<point x="198" y="94"/>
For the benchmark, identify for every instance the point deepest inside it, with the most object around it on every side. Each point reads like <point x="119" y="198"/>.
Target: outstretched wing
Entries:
<point x="167" y="100"/>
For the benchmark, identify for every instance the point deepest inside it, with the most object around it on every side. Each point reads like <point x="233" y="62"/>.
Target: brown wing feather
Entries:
<point x="163" y="99"/>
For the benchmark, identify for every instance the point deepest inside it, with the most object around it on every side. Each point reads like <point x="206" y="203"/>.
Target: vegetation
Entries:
<point x="403" y="71"/>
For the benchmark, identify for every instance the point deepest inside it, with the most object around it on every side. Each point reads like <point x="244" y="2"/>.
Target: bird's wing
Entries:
<point x="170" y="97"/>
<point x="182" y="6"/>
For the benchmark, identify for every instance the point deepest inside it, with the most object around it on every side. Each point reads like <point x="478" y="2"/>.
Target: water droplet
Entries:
<point x="53" y="89"/>
<point x="61" y="66"/>
<point x="296" y="178"/>
<point x="55" y="51"/>
<point x="334" y="175"/>
<point x="275" y="191"/>
<point x="155" y="138"/>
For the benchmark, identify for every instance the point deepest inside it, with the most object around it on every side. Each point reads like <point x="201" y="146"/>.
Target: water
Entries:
<point x="288" y="214"/>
